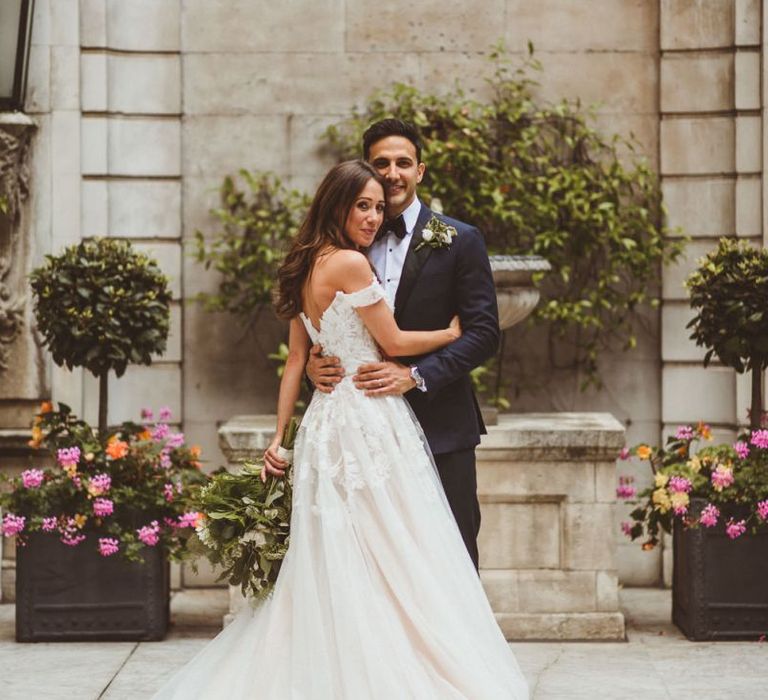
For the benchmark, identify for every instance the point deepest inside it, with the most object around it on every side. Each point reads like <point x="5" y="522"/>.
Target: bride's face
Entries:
<point x="366" y="215"/>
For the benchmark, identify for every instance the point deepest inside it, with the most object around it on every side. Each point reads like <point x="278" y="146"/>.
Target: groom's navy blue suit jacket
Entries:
<point x="435" y="285"/>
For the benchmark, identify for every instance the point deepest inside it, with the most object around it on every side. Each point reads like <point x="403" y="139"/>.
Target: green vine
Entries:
<point x="539" y="179"/>
<point x="257" y="222"/>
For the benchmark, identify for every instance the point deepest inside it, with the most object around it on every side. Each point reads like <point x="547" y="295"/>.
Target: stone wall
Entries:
<point x="143" y="106"/>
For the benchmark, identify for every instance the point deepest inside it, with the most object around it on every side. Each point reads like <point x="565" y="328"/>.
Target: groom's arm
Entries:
<point x="477" y="309"/>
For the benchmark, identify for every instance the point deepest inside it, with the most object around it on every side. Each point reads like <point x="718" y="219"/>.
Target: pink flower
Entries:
<point x="160" y="432"/>
<point x="168" y="492"/>
<point x="103" y="507"/>
<point x="165" y="460"/>
<point x="100" y="483"/>
<point x="762" y="509"/>
<point x="68" y="456"/>
<point x="626" y="528"/>
<point x="735" y="529"/>
<point x="149" y="534"/>
<point x="742" y="449"/>
<point x="108" y="546"/>
<point x="624" y="454"/>
<point x="32" y="478"/>
<point x="147" y="414"/>
<point x="175" y="440"/>
<point x="165" y="413"/>
<point x="71" y="539"/>
<point x="684" y="432"/>
<point x="759" y="438"/>
<point x="709" y="515"/>
<point x="679" y="484"/>
<point x="13" y="524"/>
<point x="625" y="488"/>
<point x="189" y="519"/>
<point x="49" y="524"/>
<point x="722" y="477"/>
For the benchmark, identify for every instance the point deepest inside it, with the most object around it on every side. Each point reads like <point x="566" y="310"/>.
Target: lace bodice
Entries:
<point x="342" y="332"/>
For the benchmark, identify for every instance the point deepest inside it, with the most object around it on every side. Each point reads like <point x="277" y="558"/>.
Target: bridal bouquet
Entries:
<point x="246" y="521"/>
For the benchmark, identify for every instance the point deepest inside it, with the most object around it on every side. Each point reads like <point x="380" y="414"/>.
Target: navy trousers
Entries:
<point x="459" y="476"/>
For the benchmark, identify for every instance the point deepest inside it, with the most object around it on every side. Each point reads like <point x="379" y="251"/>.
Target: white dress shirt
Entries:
<point x="388" y="253"/>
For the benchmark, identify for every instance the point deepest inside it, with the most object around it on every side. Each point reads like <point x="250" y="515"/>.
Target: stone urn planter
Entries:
<point x="719" y="589"/>
<point x="74" y="594"/>
<point x="516" y="294"/>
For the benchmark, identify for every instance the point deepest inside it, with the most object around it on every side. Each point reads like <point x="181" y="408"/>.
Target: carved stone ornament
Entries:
<point x="15" y="137"/>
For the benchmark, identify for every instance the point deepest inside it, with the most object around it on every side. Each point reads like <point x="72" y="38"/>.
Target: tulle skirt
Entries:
<point x="377" y="597"/>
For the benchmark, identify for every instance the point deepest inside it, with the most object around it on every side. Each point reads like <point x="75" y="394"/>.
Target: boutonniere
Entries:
<point x="436" y="234"/>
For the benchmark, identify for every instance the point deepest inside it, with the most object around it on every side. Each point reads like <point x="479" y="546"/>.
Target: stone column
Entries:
<point x="546" y="483"/>
<point x="711" y="158"/>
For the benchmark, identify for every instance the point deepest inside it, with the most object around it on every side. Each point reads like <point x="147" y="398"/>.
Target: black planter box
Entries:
<point x="719" y="586"/>
<point x="74" y="594"/>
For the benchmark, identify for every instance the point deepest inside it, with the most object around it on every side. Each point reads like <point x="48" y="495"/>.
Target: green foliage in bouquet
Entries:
<point x="729" y="292"/>
<point x="257" y="222"/>
<point x="245" y="528"/>
<point x="731" y="482"/>
<point x="538" y="178"/>
<point x="102" y="305"/>
<point x="131" y="488"/>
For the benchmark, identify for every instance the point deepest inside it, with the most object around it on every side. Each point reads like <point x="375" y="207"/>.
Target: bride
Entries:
<point x="377" y="598"/>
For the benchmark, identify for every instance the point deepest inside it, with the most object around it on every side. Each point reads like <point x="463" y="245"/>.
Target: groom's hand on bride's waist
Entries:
<point x="324" y="372"/>
<point x="384" y="379"/>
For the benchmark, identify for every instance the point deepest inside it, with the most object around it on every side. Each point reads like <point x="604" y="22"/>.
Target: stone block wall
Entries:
<point x="142" y="107"/>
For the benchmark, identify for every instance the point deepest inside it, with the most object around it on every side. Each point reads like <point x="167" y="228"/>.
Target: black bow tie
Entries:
<point x="396" y="226"/>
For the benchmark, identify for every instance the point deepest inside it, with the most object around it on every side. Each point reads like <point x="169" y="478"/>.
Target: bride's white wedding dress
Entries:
<point x="377" y="598"/>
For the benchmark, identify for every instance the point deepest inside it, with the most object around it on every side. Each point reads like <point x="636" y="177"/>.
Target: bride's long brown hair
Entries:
<point x="322" y="227"/>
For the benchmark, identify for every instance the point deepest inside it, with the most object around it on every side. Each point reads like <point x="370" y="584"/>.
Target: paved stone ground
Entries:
<point x="655" y="662"/>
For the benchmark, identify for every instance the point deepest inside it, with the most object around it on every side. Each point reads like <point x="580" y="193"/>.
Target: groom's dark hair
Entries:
<point x="390" y="127"/>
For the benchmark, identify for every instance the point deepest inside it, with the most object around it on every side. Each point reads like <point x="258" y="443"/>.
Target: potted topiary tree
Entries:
<point x="715" y="501"/>
<point x="95" y="530"/>
<point x="101" y="305"/>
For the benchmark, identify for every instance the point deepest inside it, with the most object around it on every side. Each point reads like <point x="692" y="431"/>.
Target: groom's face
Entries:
<point x="395" y="159"/>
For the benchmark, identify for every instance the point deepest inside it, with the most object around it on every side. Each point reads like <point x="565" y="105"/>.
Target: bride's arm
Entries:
<point x="290" y="387"/>
<point x="380" y="321"/>
<point x="355" y="275"/>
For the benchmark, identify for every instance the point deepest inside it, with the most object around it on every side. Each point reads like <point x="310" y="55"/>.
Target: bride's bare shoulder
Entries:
<point x="349" y="267"/>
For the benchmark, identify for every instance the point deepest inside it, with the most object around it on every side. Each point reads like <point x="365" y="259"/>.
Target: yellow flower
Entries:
<point x="643" y="451"/>
<point x="679" y="500"/>
<point x="80" y="520"/>
<point x="662" y="500"/>
<point x="71" y="470"/>
<point x="661" y="480"/>
<point x="694" y="464"/>
<point x="37" y="437"/>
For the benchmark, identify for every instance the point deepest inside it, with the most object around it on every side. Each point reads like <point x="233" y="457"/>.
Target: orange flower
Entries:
<point x="37" y="437"/>
<point x="46" y="407"/>
<point x="643" y="451"/>
<point x="144" y="435"/>
<point x="648" y="546"/>
<point x="81" y="520"/>
<point x="195" y="451"/>
<point x="116" y="449"/>
<point x="704" y="430"/>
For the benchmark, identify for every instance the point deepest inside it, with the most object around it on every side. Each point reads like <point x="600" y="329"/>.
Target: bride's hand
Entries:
<point x="272" y="463"/>
<point x="455" y="327"/>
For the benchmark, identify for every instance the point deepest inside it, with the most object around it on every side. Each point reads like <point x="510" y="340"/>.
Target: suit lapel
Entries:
<point x="414" y="260"/>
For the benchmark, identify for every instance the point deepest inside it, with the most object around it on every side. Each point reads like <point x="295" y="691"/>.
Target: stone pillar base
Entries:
<point x="566" y="626"/>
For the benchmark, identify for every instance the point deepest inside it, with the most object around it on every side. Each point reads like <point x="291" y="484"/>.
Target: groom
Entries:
<point x="429" y="284"/>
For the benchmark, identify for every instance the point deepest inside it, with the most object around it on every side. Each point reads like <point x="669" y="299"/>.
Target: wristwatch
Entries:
<point x="420" y="383"/>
